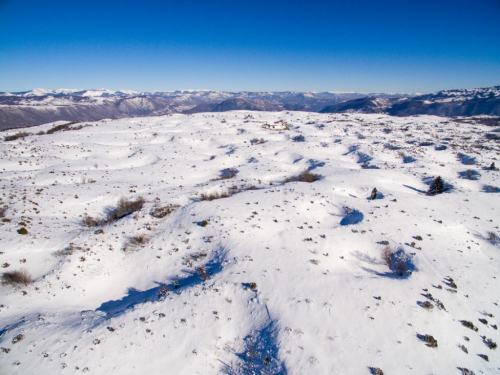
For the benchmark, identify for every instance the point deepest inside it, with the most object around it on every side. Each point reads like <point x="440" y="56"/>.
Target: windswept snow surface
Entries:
<point x="278" y="278"/>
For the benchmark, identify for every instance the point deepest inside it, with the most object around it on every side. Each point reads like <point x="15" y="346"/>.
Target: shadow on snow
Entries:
<point x="135" y="297"/>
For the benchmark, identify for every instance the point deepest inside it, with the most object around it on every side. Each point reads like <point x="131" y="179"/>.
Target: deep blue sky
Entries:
<point x="257" y="45"/>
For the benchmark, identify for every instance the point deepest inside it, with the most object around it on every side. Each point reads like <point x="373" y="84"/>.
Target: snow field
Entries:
<point x="323" y="301"/>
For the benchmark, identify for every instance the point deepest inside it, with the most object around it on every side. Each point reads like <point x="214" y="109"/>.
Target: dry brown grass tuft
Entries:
<point x="305" y="176"/>
<point x="14" y="278"/>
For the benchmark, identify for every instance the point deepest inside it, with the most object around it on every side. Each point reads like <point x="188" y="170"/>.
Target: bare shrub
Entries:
<point x="14" y="278"/>
<point x="400" y="267"/>
<point x="64" y="127"/>
<point x="484" y="356"/>
<point x="163" y="290"/>
<point x="489" y="343"/>
<point x="214" y="195"/>
<point x="22" y="231"/>
<point x="255" y="141"/>
<point x="375" y="371"/>
<point x="161" y="212"/>
<point x="387" y="255"/>
<point x="125" y="207"/>
<point x="136" y="241"/>
<point x="492" y="236"/>
<point x="90" y="222"/>
<point x="468" y="324"/>
<point x="427" y="305"/>
<point x="430" y="341"/>
<point x="305" y="176"/>
<point x="13" y="137"/>
<point x="201" y="271"/>
<point x="17" y="338"/>
<point x="3" y="211"/>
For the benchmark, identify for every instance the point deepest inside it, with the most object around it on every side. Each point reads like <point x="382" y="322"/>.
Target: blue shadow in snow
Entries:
<point x="490" y="189"/>
<point x="313" y="164"/>
<point x="466" y="159"/>
<point x="415" y="189"/>
<point x="379" y="196"/>
<point x="352" y="217"/>
<point x="364" y="158"/>
<point x="261" y="354"/>
<point x="408" y="159"/>
<point x="135" y="297"/>
<point x="351" y="149"/>
<point x="470" y="174"/>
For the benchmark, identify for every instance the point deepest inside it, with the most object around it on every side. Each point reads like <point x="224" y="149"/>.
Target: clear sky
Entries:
<point x="258" y="45"/>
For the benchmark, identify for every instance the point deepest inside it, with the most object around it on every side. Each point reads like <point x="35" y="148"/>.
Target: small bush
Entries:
<point x="253" y="286"/>
<point x="257" y="141"/>
<point x="484" y="356"/>
<point x="214" y="195"/>
<point x="430" y="341"/>
<point x="90" y="222"/>
<point x="203" y="223"/>
<point x="427" y="305"/>
<point x="387" y="255"/>
<point x="400" y="267"/>
<point x="201" y="271"/>
<point x="63" y="127"/>
<point x="489" y="343"/>
<point x="135" y="242"/>
<point x="305" y="176"/>
<point x="437" y="186"/>
<point x="14" y="278"/>
<point x="3" y="211"/>
<point x="466" y="371"/>
<point x="17" y="338"/>
<point x="22" y="231"/>
<point x="469" y="325"/>
<point x="13" y="137"/>
<point x="163" y="290"/>
<point x="493" y="237"/>
<point x="161" y="212"/>
<point x="375" y="371"/>
<point x="125" y="207"/>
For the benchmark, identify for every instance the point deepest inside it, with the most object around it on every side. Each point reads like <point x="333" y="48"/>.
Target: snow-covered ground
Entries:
<point x="279" y="277"/>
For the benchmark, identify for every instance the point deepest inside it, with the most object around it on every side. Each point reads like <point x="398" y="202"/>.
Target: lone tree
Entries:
<point x="437" y="186"/>
<point x="374" y="194"/>
<point x="493" y="167"/>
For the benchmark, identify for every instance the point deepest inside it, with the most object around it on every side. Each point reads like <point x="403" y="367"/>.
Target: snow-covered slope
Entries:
<point x="278" y="277"/>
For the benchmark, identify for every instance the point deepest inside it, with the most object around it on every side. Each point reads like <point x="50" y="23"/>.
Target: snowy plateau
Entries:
<point x="256" y="247"/>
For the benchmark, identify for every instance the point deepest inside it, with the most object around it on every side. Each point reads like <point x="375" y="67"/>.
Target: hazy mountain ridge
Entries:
<point x="450" y="103"/>
<point x="39" y="106"/>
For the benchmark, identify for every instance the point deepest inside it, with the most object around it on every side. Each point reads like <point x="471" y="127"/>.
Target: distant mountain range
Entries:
<point x="450" y="103"/>
<point x="38" y="106"/>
